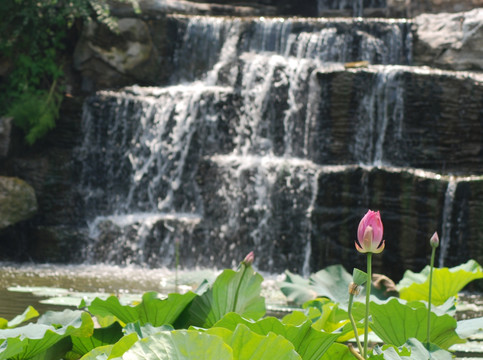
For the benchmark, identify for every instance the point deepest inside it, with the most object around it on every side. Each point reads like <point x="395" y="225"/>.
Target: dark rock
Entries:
<point x="17" y="201"/>
<point x="5" y="130"/>
<point x="411" y="205"/>
<point x="382" y="116"/>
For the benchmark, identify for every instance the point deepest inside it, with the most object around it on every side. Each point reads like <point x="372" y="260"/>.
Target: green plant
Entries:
<point x="34" y="40"/>
<point x="226" y="320"/>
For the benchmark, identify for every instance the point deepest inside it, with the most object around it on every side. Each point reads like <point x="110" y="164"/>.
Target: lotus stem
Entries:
<point x="368" y="297"/>
<point x="354" y="326"/>
<point x="433" y="253"/>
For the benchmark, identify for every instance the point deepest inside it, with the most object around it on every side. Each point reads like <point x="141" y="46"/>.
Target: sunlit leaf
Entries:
<point x="331" y="282"/>
<point x="114" y="351"/>
<point x="145" y="330"/>
<point x="49" y="329"/>
<point x="27" y="315"/>
<point x="308" y="342"/>
<point x="338" y="352"/>
<point x="395" y="322"/>
<point x="446" y="282"/>
<point x="151" y="310"/>
<point x="247" y="345"/>
<point x="419" y="351"/>
<point x="180" y="345"/>
<point x="233" y="291"/>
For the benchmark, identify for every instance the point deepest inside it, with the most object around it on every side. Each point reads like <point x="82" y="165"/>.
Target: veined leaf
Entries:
<point x="101" y="337"/>
<point x="232" y="291"/>
<point x="338" y="352"/>
<point x="309" y="343"/>
<point x="331" y="282"/>
<point x="115" y="351"/>
<point x="151" y="310"/>
<point x="179" y="345"/>
<point x="395" y="322"/>
<point x="250" y="346"/>
<point x="33" y="339"/>
<point x="446" y="282"/>
<point x="145" y="330"/>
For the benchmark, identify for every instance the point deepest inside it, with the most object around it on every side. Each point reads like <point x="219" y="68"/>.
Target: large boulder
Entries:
<point x="450" y="41"/>
<point x="109" y="59"/>
<point x="17" y="201"/>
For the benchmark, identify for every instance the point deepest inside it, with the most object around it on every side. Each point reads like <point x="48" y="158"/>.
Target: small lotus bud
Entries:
<point x="249" y="259"/>
<point x="434" y="241"/>
<point x="354" y="289"/>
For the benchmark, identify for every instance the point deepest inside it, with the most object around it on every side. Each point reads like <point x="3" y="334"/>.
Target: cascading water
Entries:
<point x="447" y="220"/>
<point x="239" y="152"/>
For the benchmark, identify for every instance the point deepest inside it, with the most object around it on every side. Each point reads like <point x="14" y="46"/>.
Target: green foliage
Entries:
<point x="34" y="42"/>
<point x="225" y="320"/>
<point x="35" y="112"/>
<point x="395" y="322"/>
<point x="331" y="282"/>
<point x="446" y="282"/>
<point x="26" y="341"/>
<point x="233" y="291"/>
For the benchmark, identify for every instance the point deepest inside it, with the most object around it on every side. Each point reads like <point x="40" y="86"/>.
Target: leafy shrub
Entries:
<point x="34" y="41"/>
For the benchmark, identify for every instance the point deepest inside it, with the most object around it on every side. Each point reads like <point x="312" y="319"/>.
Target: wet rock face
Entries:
<point x="17" y="201"/>
<point x="450" y="41"/>
<point x="348" y="129"/>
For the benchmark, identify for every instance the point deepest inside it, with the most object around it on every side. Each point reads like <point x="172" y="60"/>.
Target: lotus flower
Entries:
<point x="369" y="234"/>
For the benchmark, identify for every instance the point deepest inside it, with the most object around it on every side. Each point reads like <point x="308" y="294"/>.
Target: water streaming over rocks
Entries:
<point x="267" y="140"/>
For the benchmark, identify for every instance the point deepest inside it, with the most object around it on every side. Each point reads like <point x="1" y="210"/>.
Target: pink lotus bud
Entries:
<point x="369" y="234"/>
<point x="249" y="259"/>
<point x="434" y="241"/>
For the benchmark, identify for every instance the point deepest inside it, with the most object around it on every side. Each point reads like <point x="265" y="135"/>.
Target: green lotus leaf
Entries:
<point x="115" y="351"/>
<point x="446" y="282"/>
<point x="152" y="309"/>
<point x="248" y="345"/>
<point x="179" y="345"/>
<point x="338" y="352"/>
<point x="309" y="343"/>
<point x="233" y="291"/>
<point x="395" y="322"/>
<point x="53" y="326"/>
<point x="145" y="330"/>
<point x="27" y="315"/>
<point x="331" y="282"/>
<point x="297" y="289"/>
<point x="101" y="337"/>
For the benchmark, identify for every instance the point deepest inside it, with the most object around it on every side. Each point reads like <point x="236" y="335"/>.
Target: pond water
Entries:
<point x="107" y="279"/>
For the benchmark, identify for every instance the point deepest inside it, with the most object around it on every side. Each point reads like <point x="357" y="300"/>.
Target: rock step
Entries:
<point x="321" y="8"/>
<point x="303" y="216"/>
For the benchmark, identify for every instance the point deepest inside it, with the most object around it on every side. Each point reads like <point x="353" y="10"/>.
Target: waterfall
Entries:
<point x="447" y="220"/>
<point x="234" y="155"/>
<point x="382" y="110"/>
